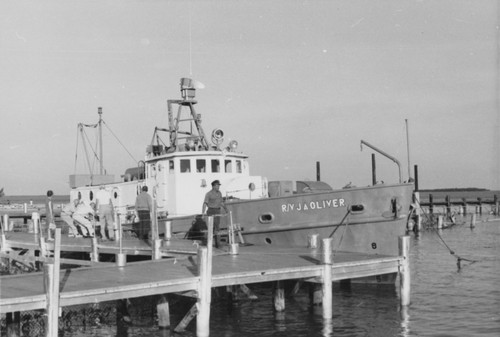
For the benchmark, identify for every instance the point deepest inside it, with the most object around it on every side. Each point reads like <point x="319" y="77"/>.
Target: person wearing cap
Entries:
<point x="212" y="205"/>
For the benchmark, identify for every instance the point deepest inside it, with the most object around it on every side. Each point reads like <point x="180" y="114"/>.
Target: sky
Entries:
<point x="294" y="82"/>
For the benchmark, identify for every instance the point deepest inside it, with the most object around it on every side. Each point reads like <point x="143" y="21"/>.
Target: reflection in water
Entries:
<point x="327" y="327"/>
<point x="405" y="321"/>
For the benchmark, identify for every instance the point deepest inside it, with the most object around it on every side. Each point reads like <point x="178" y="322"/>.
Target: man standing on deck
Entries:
<point x="144" y="207"/>
<point x="104" y="207"/>
<point x="212" y="204"/>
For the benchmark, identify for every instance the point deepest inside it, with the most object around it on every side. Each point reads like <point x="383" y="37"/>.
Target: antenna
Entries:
<point x="190" y="42"/>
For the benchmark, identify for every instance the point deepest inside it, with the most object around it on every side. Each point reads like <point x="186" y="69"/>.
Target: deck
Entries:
<point x="253" y="264"/>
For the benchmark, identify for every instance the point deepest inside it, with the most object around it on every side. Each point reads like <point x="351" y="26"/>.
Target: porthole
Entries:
<point x="357" y="208"/>
<point x="266" y="218"/>
<point x="269" y="241"/>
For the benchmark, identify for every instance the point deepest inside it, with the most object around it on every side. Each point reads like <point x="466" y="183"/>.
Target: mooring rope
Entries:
<point x="452" y="252"/>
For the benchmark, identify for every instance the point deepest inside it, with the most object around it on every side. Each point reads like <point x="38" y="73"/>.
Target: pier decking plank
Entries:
<point x="253" y="264"/>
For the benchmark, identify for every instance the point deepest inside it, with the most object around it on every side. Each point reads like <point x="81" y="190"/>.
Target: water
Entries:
<point x="445" y="300"/>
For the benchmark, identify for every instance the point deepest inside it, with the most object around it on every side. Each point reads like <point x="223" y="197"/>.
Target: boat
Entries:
<point x="181" y="162"/>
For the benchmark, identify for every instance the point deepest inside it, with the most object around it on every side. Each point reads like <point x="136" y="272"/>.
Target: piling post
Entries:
<point x="163" y="311"/>
<point x="120" y="258"/>
<point x="5" y="222"/>
<point x="448" y="205"/>
<point x="94" y="256"/>
<point x="495" y="201"/>
<point x="404" y="269"/>
<point x="52" y="301"/>
<point x="156" y="249"/>
<point x="117" y="226"/>
<point x="279" y="296"/>
<point x="154" y="222"/>
<point x="431" y="204"/>
<point x="440" y="222"/>
<point x="473" y="220"/>
<point x="464" y="202"/>
<point x="13" y="322"/>
<point x="312" y="241"/>
<point x="168" y="231"/>
<point x="51" y="284"/>
<point x="204" y="291"/>
<point x="479" y="200"/>
<point x="418" y="221"/>
<point x="35" y="219"/>
<point x="327" y="260"/>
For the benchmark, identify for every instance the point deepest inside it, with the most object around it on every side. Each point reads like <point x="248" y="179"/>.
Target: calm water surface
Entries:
<point x="445" y="300"/>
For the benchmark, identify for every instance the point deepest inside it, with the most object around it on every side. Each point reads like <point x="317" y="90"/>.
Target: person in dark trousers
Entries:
<point x="213" y="204"/>
<point x="144" y="207"/>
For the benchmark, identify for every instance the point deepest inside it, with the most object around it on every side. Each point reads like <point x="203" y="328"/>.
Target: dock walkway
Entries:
<point x="253" y="264"/>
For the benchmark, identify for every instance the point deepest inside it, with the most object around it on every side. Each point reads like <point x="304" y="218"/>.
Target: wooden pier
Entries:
<point x="195" y="274"/>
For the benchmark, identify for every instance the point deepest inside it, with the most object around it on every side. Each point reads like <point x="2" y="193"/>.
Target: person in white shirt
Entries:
<point x="104" y="207"/>
<point x="67" y="216"/>
<point x="84" y="215"/>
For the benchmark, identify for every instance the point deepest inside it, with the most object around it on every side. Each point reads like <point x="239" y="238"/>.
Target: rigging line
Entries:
<point x="135" y="161"/>
<point x="459" y="258"/>
<point x="76" y="150"/>
<point x="345" y="230"/>
<point x="340" y="224"/>
<point x="86" y="153"/>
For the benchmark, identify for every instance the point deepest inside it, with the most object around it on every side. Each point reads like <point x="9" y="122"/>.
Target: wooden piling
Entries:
<point x="327" y="260"/>
<point x="404" y="270"/>
<point x="35" y="219"/>
<point x="440" y="222"/>
<point x="448" y="205"/>
<point x="473" y="220"/>
<point x="13" y="322"/>
<point x="156" y="249"/>
<point x="51" y="284"/>
<point x="431" y="204"/>
<point x="168" y="231"/>
<point x="94" y="256"/>
<point x="163" y="311"/>
<point x="312" y="241"/>
<point x="279" y="296"/>
<point x="205" y="290"/>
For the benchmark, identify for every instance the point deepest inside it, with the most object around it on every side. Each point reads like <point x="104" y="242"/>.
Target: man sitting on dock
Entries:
<point x="83" y="215"/>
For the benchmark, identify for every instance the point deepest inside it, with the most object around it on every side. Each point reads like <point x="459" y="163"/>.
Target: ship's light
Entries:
<point x="251" y="187"/>
<point x="232" y="146"/>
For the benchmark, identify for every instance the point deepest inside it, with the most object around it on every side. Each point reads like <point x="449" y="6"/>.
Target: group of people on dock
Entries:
<point x="81" y="218"/>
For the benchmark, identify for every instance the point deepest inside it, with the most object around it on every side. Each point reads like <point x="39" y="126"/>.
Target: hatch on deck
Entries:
<point x="312" y="187"/>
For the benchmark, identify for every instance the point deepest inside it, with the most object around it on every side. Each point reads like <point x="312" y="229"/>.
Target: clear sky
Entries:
<point x="295" y="82"/>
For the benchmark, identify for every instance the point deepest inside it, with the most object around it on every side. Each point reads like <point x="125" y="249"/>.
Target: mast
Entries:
<point x="101" y="165"/>
<point x="408" y="148"/>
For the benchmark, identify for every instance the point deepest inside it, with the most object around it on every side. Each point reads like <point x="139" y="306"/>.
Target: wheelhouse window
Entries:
<point x="238" y="166"/>
<point x="215" y="165"/>
<point x="201" y="165"/>
<point x="185" y="165"/>
<point x="171" y="166"/>
<point x="228" y="165"/>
